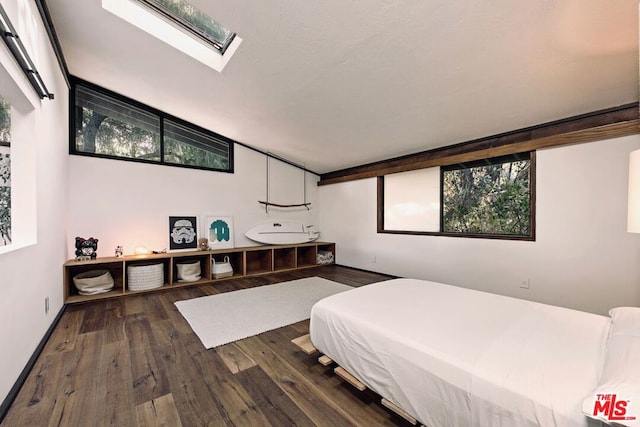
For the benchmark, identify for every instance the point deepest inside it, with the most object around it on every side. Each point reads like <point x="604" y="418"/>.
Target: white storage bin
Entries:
<point x="188" y="271"/>
<point x="144" y="277"/>
<point x="221" y="269"/>
<point x="93" y="282"/>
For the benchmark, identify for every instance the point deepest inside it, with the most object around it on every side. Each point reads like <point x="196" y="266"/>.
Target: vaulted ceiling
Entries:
<point x="334" y="84"/>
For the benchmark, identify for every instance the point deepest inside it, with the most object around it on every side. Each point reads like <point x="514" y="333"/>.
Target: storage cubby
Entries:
<point x="116" y="268"/>
<point x="141" y="274"/>
<point x="284" y="258"/>
<point x="306" y="255"/>
<point x="205" y="268"/>
<point x="259" y="261"/>
<point x="324" y="250"/>
<point x="246" y="261"/>
<point x="235" y="258"/>
<point x="329" y="247"/>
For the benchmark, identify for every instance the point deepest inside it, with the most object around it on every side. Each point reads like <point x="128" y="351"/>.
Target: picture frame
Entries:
<point x="218" y="229"/>
<point x="183" y="233"/>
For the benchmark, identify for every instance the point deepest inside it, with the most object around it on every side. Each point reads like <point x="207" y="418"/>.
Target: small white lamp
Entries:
<point x="141" y="250"/>
<point x="633" y="212"/>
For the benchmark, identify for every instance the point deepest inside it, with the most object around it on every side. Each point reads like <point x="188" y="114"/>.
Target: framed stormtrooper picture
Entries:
<point x="218" y="230"/>
<point x="183" y="233"/>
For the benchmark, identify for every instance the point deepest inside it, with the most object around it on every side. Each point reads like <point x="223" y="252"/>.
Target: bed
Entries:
<point x="451" y="356"/>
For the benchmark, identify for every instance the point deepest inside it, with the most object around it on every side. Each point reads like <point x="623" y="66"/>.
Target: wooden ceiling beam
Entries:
<point x="600" y="125"/>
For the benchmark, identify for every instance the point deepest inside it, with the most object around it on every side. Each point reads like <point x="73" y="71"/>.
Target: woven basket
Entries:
<point x="144" y="277"/>
<point x="221" y="269"/>
<point x="188" y="271"/>
<point x="93" y="282"/>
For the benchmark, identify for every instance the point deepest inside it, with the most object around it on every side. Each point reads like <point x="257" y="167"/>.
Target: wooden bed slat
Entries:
<point x="325" y="360"/>
<point x="342" y="373"/>
<point x="398" y="410"/>
<point x="304" y="342"/>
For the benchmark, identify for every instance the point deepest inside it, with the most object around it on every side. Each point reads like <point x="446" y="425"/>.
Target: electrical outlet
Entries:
<point x="46" y="305"/>
<point x="525" y="284"/>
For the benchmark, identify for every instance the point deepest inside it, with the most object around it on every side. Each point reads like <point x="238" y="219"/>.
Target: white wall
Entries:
<point x="582" y="258"/>
<point x="31" y="271"/>
<point x="128" y="203"/>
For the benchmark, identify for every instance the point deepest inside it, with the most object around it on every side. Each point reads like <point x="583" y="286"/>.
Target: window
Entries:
<point x="487" y="197"/>
<point x="5" y="173"/>
<point x="412" y="201"/>
<point x="193" y="20"/>
<point x="492" y="198"/>
<point x="109" y="125"/>
<point x="180" y="25"/>
<point x="20" y="129"/>
<point x="185" y="146"/>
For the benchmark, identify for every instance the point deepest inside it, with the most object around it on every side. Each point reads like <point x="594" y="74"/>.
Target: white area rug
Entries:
<point x="231" y="316"/>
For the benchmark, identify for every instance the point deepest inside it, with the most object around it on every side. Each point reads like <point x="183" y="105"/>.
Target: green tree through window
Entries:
<point x="113" y="126"/>
<point x="490" y="198"/>
<point x="487" y="198"/>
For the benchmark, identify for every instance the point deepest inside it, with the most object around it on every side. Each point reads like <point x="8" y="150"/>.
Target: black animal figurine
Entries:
<point x="86" y="248"/>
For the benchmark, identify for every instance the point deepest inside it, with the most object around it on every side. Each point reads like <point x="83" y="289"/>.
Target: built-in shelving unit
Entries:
<point x="247" y="261"/>
<point x="258" y="261"/>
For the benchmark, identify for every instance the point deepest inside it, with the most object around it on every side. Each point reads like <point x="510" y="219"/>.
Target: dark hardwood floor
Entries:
<point x="136" y="362"/>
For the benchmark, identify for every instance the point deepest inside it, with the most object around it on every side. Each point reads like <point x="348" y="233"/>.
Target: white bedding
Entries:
<point x="451" y="356"/>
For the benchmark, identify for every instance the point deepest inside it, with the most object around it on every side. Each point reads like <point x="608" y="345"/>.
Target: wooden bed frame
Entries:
<point x="441" y="355"/>
<point x="304" y="343"/>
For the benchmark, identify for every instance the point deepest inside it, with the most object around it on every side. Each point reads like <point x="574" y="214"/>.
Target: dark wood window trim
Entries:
<point x="532" y="213"/>
<point x="604" y="124"/>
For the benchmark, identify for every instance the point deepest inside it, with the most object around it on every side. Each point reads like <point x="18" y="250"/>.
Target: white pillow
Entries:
<point x="617" y="396"/>
<point x="625" y="321"/>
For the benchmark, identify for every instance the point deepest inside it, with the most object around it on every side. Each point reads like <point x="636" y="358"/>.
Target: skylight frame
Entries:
<point x="184" y="24"/>
<point x="137" y="14"/>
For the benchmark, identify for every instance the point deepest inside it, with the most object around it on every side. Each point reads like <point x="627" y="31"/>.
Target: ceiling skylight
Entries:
<point x="181" y="25"/>
<point x="192" y="19"/>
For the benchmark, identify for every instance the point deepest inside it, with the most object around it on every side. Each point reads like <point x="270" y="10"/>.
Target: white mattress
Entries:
<point x="451" y="356"/>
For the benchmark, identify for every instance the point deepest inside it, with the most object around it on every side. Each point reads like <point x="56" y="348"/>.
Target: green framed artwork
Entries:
<point x="219" y="231"/>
